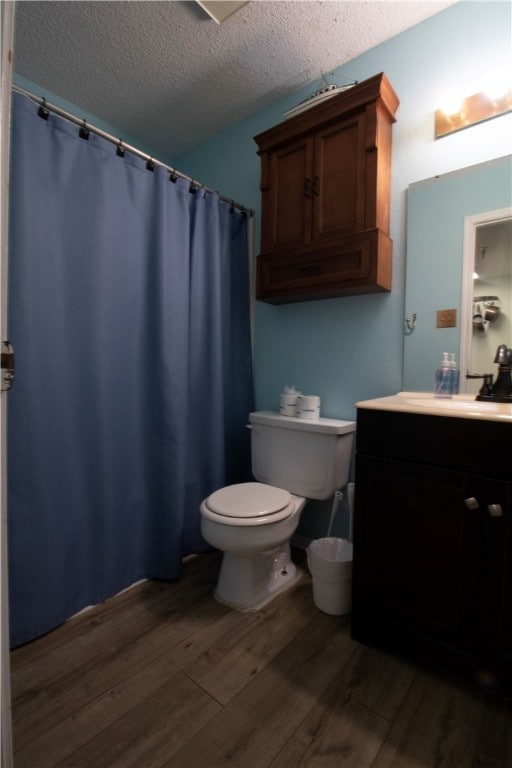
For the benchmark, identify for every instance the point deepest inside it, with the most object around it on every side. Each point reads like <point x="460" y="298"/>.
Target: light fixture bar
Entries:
<point x="475" y="109"/>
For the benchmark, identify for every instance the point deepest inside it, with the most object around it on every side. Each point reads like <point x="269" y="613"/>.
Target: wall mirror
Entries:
<point x="444" y="215"/>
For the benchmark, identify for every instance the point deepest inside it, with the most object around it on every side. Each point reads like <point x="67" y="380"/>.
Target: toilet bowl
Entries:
<point x="252" y="523"/>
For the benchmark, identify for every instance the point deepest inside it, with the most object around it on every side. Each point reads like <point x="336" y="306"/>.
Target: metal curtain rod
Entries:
<point x="123" y="146"/>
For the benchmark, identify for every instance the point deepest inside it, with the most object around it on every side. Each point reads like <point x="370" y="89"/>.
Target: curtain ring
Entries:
<point x="150" y="165"/>
<point x="120" y="151"/>
<point x="43" y="110"/>
<point x="84" y="131"/>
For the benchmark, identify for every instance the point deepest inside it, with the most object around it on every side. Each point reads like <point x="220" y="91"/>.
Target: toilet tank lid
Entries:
<point x="274" y="419"/>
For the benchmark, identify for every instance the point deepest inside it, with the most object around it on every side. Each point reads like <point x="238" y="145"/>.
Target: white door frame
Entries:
<point x="6" y="47"/>
<point x="466" y="326"/>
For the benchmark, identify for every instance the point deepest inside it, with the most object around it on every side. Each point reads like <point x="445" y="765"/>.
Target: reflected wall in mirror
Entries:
<point x="437" y="210"/>
<point x="487" y="293"/>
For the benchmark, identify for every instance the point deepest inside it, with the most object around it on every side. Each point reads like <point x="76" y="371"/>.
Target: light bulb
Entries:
<point x="498" y="85"/>
<point x="451" y="103"/>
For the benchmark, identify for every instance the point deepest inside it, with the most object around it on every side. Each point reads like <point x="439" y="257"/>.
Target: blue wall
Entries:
<point x="350" y="349"/>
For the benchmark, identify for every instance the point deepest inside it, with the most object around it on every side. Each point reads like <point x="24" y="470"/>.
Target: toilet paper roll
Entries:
<point x="308" y="407"/>
<point x="288" y="403"/>
<point x="287" y="399"/>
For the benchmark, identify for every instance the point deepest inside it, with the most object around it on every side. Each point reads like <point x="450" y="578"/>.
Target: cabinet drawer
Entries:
<point x="359" y="264"/>
<point x="470" y="445"/>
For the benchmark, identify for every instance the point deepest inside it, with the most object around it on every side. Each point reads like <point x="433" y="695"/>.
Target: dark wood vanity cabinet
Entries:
<point x="432" y="570"/>
<point x="325" y="183"/>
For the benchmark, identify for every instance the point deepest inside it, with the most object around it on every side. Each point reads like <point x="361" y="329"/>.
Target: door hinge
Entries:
<point x="7" y="366"/>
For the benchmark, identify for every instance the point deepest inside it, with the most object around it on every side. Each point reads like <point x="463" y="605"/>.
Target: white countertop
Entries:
<point x="458" y="406"/>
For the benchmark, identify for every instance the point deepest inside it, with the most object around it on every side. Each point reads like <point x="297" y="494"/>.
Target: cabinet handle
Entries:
<point x="316" y="182"/>
<point x="472" y="503"/>
<point x="495" y="510"/>
<point x="308" y="183"/>
<point x="312" y="269"/>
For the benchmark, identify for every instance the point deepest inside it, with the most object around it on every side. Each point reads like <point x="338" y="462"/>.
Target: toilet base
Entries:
<point x="248" y="583"/>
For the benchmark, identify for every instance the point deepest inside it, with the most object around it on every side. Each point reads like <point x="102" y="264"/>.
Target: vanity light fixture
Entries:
<point x="473" y="109"/>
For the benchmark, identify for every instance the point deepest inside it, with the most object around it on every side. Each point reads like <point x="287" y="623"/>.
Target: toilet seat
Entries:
<point x="248" y="504"/>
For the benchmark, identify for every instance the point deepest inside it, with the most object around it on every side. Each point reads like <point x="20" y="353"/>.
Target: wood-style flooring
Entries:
<point x="163" y="676"/>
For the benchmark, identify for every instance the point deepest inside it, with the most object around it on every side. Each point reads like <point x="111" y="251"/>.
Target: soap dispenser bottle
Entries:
<point x="455" y="375"/>
<point x="444" y="378"/>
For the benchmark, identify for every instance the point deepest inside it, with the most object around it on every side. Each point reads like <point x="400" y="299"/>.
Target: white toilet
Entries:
<point x="252" y="523"/>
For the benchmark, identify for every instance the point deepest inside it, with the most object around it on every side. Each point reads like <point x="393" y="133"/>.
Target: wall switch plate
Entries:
<point x="446" y="318"/>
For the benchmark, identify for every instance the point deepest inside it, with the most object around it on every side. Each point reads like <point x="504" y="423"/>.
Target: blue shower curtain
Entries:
<point x="129" y="314"/>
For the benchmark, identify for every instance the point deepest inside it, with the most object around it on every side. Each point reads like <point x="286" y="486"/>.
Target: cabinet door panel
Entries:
<point x="287" y="214"/>
<point x="416" y="549"/>
<point x="505" y="626"/>
<point x="339" y="183"/>
<point x="496" y="586"/>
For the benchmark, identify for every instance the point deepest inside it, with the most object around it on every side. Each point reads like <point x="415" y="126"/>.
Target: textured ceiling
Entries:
<point x="165" y="74"/>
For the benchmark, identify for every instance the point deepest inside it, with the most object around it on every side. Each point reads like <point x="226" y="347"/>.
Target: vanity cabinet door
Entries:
<point x="495" y="498"/>
<point x="505" y="626"/>
<point x="417" y="552"/>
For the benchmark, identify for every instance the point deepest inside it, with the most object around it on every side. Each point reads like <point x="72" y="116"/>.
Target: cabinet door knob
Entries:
<point x="472" y="503"/>
<point x="308" y="183"/>
<point x="495" y="510"/>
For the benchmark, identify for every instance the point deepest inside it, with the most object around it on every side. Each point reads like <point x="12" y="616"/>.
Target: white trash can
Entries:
<point x="330" y="563"/>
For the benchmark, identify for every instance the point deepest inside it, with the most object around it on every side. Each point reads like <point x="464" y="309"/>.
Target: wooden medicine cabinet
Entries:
<point x="325" y="184"/>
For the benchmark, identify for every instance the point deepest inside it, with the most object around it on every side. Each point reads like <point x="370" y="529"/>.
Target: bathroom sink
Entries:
<point x="459" y="406"/>
<point x="454" y="403"/>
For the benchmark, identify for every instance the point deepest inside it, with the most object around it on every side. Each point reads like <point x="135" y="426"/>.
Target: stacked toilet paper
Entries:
<point x="294" y="403"/>
<point x="288" y="405"/>
<point x="308" y="407"/>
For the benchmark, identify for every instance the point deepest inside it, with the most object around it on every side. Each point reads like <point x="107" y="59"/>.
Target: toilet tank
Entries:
<point x="307" y="458"/>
